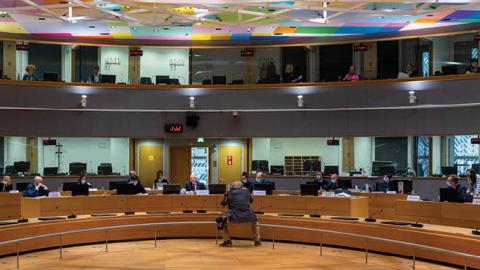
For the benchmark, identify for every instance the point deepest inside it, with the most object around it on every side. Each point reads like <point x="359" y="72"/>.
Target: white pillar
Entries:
<point x="364" y="153"/>
<point x="22" y="62"/>
<point x="436" y="155"/>
<point x="67" y="63"/>
<point x="15" y="149"/>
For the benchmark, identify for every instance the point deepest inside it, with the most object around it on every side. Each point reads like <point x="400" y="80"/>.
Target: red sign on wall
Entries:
<point x="229" y="160"/>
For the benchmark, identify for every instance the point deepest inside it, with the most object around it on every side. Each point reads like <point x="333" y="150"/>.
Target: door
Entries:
<point x="229" y="163"/>
<point x="150" y="161"/>
<point x="180" y="164"/>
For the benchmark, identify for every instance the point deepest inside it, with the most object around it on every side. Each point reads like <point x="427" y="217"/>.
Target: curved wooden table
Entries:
<point x="455" y="239"/>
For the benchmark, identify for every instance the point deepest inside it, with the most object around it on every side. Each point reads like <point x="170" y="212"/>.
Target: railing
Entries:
<point x="465" y="256"/>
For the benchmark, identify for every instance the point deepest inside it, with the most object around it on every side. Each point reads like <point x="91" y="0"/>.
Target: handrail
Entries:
<point x="273" y="226"/>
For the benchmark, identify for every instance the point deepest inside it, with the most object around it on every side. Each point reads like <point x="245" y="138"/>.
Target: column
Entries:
<point x="67" y="63"/>
<point x="10" y="59"/>
<point x="436" y="155"/>
<point x="370" y="61"/>
<point x="348" y="154"/>
<point x="134" y="67"/>
<point x="21" y="63"/>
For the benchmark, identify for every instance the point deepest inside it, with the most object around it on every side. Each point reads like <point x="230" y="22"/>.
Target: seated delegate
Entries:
<point x="193" y="185"/>
<point x="245" y="182"/>
<point x="384" y="185"/>
<point x="461" y="191"/>
<point x="137" y="186"/>
<point x="37" y="188"/>
<point x="238" y="201"/>
<point x="83" y="181"/>
<point x="259" y="179"/>
<point x="6" y="184"/>
<point x="30" y="73"/>
<point x="160" y="180"/>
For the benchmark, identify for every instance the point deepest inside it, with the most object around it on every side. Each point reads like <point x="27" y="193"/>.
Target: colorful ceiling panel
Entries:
<point x="229" y="22"/>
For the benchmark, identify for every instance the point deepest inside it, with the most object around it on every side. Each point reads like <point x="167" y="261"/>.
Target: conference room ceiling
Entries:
<point x="230" y="22"/>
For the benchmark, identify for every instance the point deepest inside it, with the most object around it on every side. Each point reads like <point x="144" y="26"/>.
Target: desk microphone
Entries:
<point x="476" y="232"/>
<point x="72" y="215"/>
<point x="201" y="210"/>
<point x="22" y="220"/>
<point x="370" y="217"/>
<point x="417" y="225"/>
<point x="129" y="213"/>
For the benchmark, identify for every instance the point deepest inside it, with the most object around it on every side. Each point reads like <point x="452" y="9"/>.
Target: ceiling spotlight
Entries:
<point x="412" y="98"/>
<point x="83" y="101"/>
<point x="300" y="101"/>
<point x="191" y="103"/>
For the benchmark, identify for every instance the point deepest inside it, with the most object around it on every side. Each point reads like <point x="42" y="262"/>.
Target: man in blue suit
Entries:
<point x="37" y="188"/>
<point x="193" y="185"/>
<point x="259" y="179"/>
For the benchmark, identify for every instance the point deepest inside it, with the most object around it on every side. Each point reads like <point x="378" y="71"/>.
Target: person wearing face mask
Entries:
<point x="452" y="183"/>
<point x="333" y="183"/>
<point x="137" y="186"/>
<point x="473" y="183"/>
<point x="83" y="181"/>
<point x="384" y="185"/>
<point x="193" y="185"/>
<point x="245" y="182"/>
<point x="6" y="184"/>
<point x="259" y="179"/>
<point x="160" y="180"/>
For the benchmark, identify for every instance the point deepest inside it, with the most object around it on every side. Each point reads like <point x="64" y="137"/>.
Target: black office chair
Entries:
<point x="206" y="82"/>
<point x="145" y="80"/>
<point x="219" y="80"/>
<point x="237" y="81"/>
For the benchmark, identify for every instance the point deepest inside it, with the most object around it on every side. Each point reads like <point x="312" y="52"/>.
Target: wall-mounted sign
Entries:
<point x="360" y="48"/>
<point x="136" y="53"/>
<point x="247" y="52"/>
<point x="475" y="140"/>
<point x="23" y="47"/>
<point x="476" y="37"/>
<point x="333" y="142"/>
<point x="173" y="128"/>
<point x="229" y="160"/>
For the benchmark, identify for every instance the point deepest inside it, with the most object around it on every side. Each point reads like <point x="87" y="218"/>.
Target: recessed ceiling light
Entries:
<point x="380" y="17"/>
<point x="41" y="19"/>
<point x="155" y="30"/>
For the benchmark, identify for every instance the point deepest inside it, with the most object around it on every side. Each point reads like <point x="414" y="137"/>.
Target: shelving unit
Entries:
<point x="294" y="164"/>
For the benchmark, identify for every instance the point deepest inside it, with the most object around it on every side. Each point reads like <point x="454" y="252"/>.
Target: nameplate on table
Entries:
<point x="259" y="192"/>
<point x="14" y="191"/>
<point x="54" y="194"/>
<point x="92" y="189"/>
<point x="476" y="201"/>
<point x="413" y="198"/>
<point x="391" y="192"/>
<point x="328" y="194"/>
<point x="202" y="192"/>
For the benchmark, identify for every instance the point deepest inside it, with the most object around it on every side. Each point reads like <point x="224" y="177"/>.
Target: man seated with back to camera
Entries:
<point x="384" y="185"/>
<point x="6" y="184"/>
<point x="452" y="183"/>
<point x="259" y="179"/>
<point x="193" y="185"/>
<point x="37" y="188"/>
<point x="238" y="201"/>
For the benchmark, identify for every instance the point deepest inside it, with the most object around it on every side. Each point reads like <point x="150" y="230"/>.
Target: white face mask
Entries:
<point x="4" y="182"/>
<point x="258" y="180"/>
<point x="83" y="181"/>
<point x="334" y="181"/>
<point x="448" y="184"/>
<point x="319" y="177"/>
<point x="134" y="182"/>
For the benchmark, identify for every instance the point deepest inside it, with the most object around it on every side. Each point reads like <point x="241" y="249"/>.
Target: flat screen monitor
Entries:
<point x="344" y="183"/>
<point x="9" y="170"/>
<point x="260" y="165"/>
<point x="172" y="189"/>
<point x="309" y="190"/>
<point x="476" y="168"/>
<point x="50" y="171"/>
<point x="104" y="169"/>
<point x="401" y="186"/>
<point x="377" y="165"/>
<point x="449" y="70"/>
<point x="50" y="77"/>
<point x="77" y="168"/>
<point x="219" y="80"/>
<point x="21" y="166"/>
<point x="108" y="78"/>
<point x="318" y="184"/>
<point x="113" y="184"/>
<point x="67" y="186"/>
<point x="145" y="80"/>
<point x="329" y="170"/>
<point x="387" y="170"/>
<point x="237" y="81"/>
<point x="451" y="170"/>
<point x="21" y="187"/>
<point x="125" y="189"/>
<point x="79" y="190"/>
<point x="217" y="188"/>
<point x="268" y="187"/>
<point x="449" y="195"/>
<point x="277" y="170"/>
<point x="173" y="82"/>
<point x="160" y="79"/>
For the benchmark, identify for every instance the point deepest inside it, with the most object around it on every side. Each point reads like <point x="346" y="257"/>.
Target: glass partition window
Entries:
<point x="462" y="152"/>
<point x="423" y="155"/>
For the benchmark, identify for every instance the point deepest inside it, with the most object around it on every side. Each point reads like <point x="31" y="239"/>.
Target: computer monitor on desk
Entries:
<point x="80" y="190"/>
<point x="21" y="187"/>
<point x="50" y="77"/>
<point x="160" y="79"/>
<point x="77" y="168"/>
<point x="105" y="169"/>
<point x="329" y="170"/>
<point x="125" y="189"/>
<point x="68" y="186"/>
<point x="113" y="184"/>
<point x="268" y="187"/>
<point x="401" y="186"/>
<point x="50" y="171"/>
<point x="172" y="189"/>
<point x="309" y="190"/>
<point x="108" y="78"/>
<point x="451" y="170"/>
<point x="21" y="166"/>
<point x="217" y="188"/>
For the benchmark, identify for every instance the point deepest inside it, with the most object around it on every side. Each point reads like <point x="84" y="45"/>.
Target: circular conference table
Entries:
<point x="286" y="218"/>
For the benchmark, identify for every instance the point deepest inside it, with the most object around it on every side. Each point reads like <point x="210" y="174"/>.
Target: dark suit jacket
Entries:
<point x="239" y="210"/>
<point x="189" y="186"/>
<point x="461" y="193"/>
<point x="138" y="188"/>
<point x="5" y="188"/>
<point x="382" y="186"/>
<point x="32" y="192"/>
<point x="29" y="78"/>
<point x="252" y="186"/>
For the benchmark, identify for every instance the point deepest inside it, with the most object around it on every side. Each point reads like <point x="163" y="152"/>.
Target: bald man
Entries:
<point x="193" y="185"/>
<point x="37" y="188"/>
<point x="238" y="201"/>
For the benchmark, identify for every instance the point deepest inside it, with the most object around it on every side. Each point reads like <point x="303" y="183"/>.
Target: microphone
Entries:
<point x="22" y="220"/>
<point x="370" y="217"/>
<point x="316" y="215"/>
<point x="129" y="213"/>
<point x="72" y="215"/>
<point x="417" y="225"/>
<point x="201" y="210"/>
<point x="476" y="232"/>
